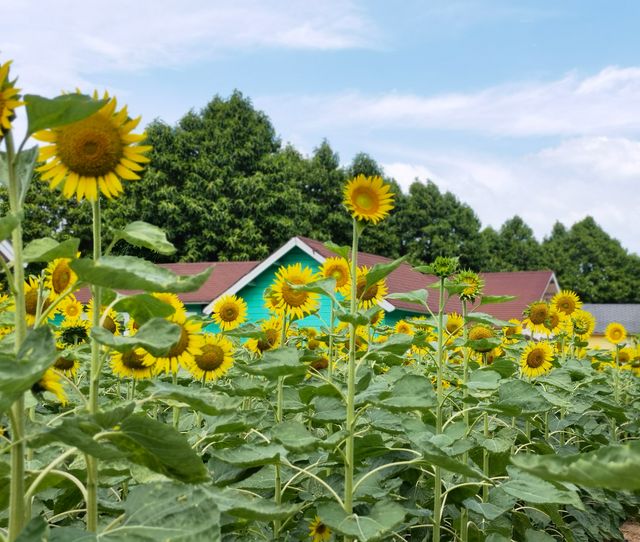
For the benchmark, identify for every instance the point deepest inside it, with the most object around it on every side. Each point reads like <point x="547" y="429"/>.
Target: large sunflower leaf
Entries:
<point x="418" y="297"/>
<point x="131" y="273"/>
<point x="46" y="113"/>
<point x="251" y="455"/>
<point x="8" y="223"/>
<point x="47" y="249"/>
<point x="529" y="488"/>
<point x="19" y="373"/>
<point x="244" y="504"/>
<point x="411" y="392"/>
<point x="145" y="235"/>
<point x="342" y="251"/>
<point x="201" y="399"/>
<point x="384" y="516"/>
<point x="382" y="270"/>
<point x="156" y="336"/>
<point x="277" y="363"/>
<point x="143" y="307"/>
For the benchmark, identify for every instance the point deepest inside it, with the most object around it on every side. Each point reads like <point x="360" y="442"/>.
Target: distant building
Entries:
<point x="627" y="314"/>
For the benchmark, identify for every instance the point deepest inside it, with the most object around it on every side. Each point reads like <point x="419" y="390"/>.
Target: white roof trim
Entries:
<point x="272" y="259"/>
<point x="6" y="249"/>
<point x="553" y="279"/>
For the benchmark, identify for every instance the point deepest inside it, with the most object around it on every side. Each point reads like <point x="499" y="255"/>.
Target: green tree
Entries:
<point x="513" y="248"/>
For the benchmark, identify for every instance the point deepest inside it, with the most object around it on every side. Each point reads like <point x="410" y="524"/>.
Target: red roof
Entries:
<point x="527" y="286"/>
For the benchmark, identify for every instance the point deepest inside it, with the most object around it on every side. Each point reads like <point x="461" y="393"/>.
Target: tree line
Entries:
<point x="224" y="187"/>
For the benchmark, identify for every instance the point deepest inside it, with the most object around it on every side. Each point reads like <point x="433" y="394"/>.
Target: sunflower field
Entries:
<point x="124" y="419"/>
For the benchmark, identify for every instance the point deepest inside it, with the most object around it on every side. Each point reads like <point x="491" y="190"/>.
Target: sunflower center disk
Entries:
<point x="181" y="345"/>
<point x="64" y="364"/>
<point x="74" y="335"/>
<point x="535" y="359"/>
<point x="211" y="358"/>
<point x="293" y="298"/>
<point x="266" y="344"/>
<point x="229" y="313"/>
<point x="31" y="302"/>
<point x="364" y="293"/>
<point x="538" y="315"/>
<point x="110" y="324"/>
<point x="91" y="147"/>
<point x="61" y="278"/>
<point x="365" y="199"/>
<point x="131" y="360"/>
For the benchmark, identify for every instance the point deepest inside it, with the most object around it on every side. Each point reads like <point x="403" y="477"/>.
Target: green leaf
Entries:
<point x="357" y="318"/>
<point x="342" y="251"/>
<point x="156" y="336"/>
<point x="483" y="383"/>
<point x="277" y="363"/>
<point x="411" y="392"/>
<point x="493" y="299"/>
<point x="18" y="374"/>
<point x="23" y="165"/>
<point x="383" y="518"/>
<point x="397" y="344"/>
<point x="483" y="345"/>
<point x="382" y="270"/>
<point x="131" y="273"/>
<point x="249" y="506"/>
<point x="201" y="399"/>
<point x="610" y="467"/>
<point x="46" y="113"/>
<point x="145" y="235"/>
<point x="324" y="287"/>
<point x="168" y="512"/>
<point x="251" y="455"/>
<point x="47" y="249"/>
<point x="159" y="447"/>
<point x="532" y="489"/>
<point x="537" y="536"/>
<point x="247" y="331"/>
<point x="37" y="530"/>
<point x="294" y="436"/>
<point x="487" y="319"/>
<point x="143" y="307"/>
<point x="518" y="397"/>
<point x="8" y="223"/>
<point x="414" y="296"/>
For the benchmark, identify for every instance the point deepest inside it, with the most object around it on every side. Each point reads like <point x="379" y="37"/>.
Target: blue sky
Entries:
<point x="529" y="108"/>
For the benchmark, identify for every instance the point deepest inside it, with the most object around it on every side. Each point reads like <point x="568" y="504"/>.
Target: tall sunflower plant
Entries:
<point x="88" y="150"/>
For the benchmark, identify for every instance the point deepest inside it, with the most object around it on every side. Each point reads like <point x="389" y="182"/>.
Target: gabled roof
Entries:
<point x="627" y="314"/>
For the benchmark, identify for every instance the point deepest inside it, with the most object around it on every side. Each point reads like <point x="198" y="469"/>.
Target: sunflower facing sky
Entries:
<point x="615" y="333"/>
<point x="216" y="358"/>
<point x="338" y="269"/>
<point x="92" y="155"/>
<point x="368" y="198"/>
<point x="229" y="312"/>
<point x="8" y="99"/>
<point x="295" y="302"/>
<point x="536" y="359"/>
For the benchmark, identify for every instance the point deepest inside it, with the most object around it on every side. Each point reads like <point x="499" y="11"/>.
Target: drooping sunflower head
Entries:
<point x="32" y="293"/>
<point x="92" y="155"/>
<point x="338" y="269"/>
<point x="582" y="323"/>
<point x="479" y="332"/>
<point x="473" y="285"/>
<point x="188" y="345"/>
<point x="272" y="329"/>
<point x="566" y="302"/>
<point x="402" y="326"/>
<point x="368" y="295"/>
<point x="615" y="333"/>
<point x="229" y="312"/>
<point x="215" y="360"/>
<point x="72" y="332"/>
<point x="536" y="314"/>
<point x="536" y="359"/>
<point x="291" y="301"/>
<point x="131" y="364"/>
<point x="8" y="99"/>
<point x="454" y="324"/>
<point x="318" y="531"/>
<point x="67" y="364"/>
<point x="50" y="382"/>
<point x="59" y="276"/>
<point x="368" y="198"/>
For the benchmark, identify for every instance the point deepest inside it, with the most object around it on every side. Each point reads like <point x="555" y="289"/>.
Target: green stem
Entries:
<point x="616" y="394"/>
<point x="351" y="380"/>
<point x="332" y="322"/>
<point x="279" y="419"/>
<point x="464" y="513"/>
<point x="17" y="516"/>
<point x="176" y="409"/>
<point x="94" y="375"/>
<point x="485" y="458"/>
<point x="437" y="487"/>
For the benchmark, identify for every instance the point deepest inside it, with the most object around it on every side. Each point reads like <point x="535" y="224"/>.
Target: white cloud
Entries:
<point x="578" y="177"/>
<point x="65" y="43"/>
<point x="607" y="103"/>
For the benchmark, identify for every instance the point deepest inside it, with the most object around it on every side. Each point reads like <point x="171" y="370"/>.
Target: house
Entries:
<point x="627" y="314"/>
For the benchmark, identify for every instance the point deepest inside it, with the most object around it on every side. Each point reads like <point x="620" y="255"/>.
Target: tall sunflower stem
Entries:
<point x="351" y="380"/>
<point x="279" y="418"/>
<point x="485" y="457"/>
<point x="176" y="409"/>
<point x="94" y="374"/>
<point x="332" y="323"/>
<point x="464" y="513"/>
<point x="17" y="516"/>
<point x="437" y="487"/>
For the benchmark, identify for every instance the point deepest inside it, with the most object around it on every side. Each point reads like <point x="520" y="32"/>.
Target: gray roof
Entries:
<point x="627" y="314"/>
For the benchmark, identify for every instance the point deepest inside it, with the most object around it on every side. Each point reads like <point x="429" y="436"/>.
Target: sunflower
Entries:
<point x="582" y="323"/>
<point x="131" y="364"/>
<point x="321" y="362"/>
<point x="229" y="312"/>
<point x="368" y="198"/>
<point x="270" y="301"/>
<point x="536" y="314"/>
<point x="479" y="332"/>
<point x="290" y="301"/>
<point x="510" y="331"/>
<point x="368" y="296"/>
<point x="566" y="301"/>
<point x="536" y="359"/>
<point x="454" y="324"/>
<point x="173" y="300"/>
<point x="59" y="276"/>
<point x="72" y="332"/>
<point x="31" y="287"/>
<point x="615" y="333"/>
<point x="109" y="320"/>
<point x="272" y="329"/>
<point x="93" y="153"/>
<point x="554" y="323"/>
<point x="8" y="99"/>
<point x="402" y="326"/>
<point x="338" y="269"/>
<point x="473" y="285"/>
<point x="71" y="308"/>
<point x="189" y="344"/>
<point x="216" y="358"/>
<point x="318" y="531"/>
<point x="67" y="365"/>
<point x="50" y="382"/>
<point x="625" y="355"/>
